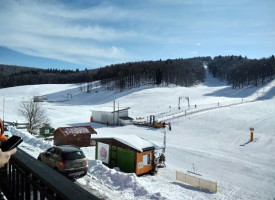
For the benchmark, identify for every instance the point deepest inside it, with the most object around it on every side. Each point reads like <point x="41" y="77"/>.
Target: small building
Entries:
<point x="130" y="153"/>
<point x="46" y="130"/>
<point x="118" y="117"/>
<point x="79" y="136"/>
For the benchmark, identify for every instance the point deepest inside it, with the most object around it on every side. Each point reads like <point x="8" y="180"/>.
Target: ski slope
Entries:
<point x="211" y="138"/>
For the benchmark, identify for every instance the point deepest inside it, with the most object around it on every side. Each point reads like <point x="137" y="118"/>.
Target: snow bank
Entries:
<point x="128" y="184"/>
<point x="31" y="139"/>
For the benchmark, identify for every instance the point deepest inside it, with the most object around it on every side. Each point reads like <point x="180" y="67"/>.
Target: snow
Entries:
<point x="75" y="130"/>
<point x="133" y="141"/>
<point x="211" y="138"/>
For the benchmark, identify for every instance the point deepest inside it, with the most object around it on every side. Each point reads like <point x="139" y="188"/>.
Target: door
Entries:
<point x="126" y="160"/>
<point x="113" y="156"/>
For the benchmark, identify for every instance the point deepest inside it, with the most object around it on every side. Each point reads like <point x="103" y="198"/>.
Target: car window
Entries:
<point x="52" y="150"/>
<point x="54" y="153"/>
<point x="73" y="155"/>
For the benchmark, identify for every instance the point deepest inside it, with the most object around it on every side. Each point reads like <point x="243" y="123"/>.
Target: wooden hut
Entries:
<point x="130" y="153"/>
<point x="79" y="136"/>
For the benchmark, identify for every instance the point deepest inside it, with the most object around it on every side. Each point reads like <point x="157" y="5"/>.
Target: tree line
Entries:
<point x="182" y="72"/>
<point x="236" y="70"/>
<point x="15" y="76"/>
<point x="240" y="71"/>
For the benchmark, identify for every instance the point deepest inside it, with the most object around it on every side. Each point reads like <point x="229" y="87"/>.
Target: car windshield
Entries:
<point x="73" y="155"/>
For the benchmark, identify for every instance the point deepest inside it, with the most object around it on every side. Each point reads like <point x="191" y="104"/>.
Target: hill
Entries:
<point x="213" y="136"/>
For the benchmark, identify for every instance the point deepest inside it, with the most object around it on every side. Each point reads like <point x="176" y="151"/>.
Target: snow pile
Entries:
<point x="128" y="184"/>
<point x="31" y="140"/>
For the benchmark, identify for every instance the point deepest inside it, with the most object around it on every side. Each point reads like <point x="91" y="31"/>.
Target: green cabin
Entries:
<point x="46" y="130"/>
<point x="130" y="153"/>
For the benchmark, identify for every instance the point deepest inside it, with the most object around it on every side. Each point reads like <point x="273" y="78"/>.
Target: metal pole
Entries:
<point x="164" y="140"/>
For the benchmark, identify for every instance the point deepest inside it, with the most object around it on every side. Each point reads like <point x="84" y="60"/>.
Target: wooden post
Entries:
<point x="251" y="134"/>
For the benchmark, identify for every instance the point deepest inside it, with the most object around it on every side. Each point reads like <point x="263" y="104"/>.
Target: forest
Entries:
<point x="240" y="71"/>
<point x="237" y="71"/>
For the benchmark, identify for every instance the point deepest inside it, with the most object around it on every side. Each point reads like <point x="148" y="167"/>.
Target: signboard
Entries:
<point x="103" y="152"/>
<point x="251" y="129"/>
<point x="140" y="165"/>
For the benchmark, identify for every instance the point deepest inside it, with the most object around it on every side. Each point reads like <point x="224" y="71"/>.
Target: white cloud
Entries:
<point x="36" y="30"/>
<point x="113" y="32"/>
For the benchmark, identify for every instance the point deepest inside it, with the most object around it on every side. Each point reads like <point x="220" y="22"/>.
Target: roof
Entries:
<point x="76" y="130"/>
<point x="133" y="141"/>
<point x="68" y="148"/>
<point x="126" y="118"/>
<point x="109" y="109"/>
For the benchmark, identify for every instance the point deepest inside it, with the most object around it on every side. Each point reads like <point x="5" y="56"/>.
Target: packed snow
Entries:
<point x="210" y="137"/>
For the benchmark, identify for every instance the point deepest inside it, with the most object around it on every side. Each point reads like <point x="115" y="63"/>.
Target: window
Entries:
<point x="147" y="159"/>
<point x="54" y="153"/>
<point x="73" y="155"/>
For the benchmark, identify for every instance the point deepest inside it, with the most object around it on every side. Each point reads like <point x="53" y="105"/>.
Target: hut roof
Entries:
<point x="110" y="109"/>
<point x="133" y="141"/>
<point x="76" y="130"/>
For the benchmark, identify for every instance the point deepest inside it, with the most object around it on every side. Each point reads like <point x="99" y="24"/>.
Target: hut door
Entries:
<point x="113" y="156"/>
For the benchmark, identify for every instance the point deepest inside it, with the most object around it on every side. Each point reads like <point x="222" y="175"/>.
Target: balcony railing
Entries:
<point x="26" y="178"/>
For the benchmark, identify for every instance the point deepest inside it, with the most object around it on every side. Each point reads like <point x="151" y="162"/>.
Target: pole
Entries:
<point x="251" y="136"/>
<point x="164" y="140"/>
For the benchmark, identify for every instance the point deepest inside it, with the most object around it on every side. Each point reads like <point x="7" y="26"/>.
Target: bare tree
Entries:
<point x="34" y="113"/>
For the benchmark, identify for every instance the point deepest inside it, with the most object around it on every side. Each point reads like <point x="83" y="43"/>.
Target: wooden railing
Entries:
<point x="26" y="178"/>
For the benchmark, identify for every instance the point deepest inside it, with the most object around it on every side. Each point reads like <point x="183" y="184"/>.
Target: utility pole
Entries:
<point x="164" y="139"/>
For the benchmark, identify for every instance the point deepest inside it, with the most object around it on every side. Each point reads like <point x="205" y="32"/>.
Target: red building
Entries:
<point x="79" y="136"/>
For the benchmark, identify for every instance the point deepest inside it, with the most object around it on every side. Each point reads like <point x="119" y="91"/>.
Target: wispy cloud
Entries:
<point x="54" y="31"/>
<point x="104" y="32"/>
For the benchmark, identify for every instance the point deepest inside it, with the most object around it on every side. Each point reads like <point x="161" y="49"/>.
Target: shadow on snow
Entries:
<point x="189" y="187"/>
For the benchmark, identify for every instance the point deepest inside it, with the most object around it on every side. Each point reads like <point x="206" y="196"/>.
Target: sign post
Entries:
<point x="251" y="134"/>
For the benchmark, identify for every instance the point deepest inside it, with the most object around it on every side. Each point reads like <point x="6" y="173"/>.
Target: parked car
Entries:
<point x="69" y="160"/>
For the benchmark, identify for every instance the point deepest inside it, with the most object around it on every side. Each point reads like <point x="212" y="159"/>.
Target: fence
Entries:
<point x="197" y="182"/>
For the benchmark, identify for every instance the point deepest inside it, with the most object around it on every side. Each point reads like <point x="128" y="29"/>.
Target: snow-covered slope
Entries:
<point x="211" y="136"/>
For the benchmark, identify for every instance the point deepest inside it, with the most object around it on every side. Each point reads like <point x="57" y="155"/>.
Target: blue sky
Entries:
<point x="70" y="34"/>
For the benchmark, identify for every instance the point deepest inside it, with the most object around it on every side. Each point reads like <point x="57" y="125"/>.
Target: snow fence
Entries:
<point x="197" y="182"/>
